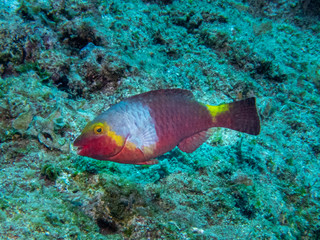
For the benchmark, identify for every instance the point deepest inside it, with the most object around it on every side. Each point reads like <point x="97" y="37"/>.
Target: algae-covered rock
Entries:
<point x="50" y="172"/>
<point x="23" y="121"/>
<point x="48" y="131"/>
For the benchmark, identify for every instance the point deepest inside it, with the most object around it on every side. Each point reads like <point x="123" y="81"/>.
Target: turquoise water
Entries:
<point x="64" y="62"/>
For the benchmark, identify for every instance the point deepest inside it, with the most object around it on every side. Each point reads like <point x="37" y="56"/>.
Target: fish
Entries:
<point x="140" y="128"/>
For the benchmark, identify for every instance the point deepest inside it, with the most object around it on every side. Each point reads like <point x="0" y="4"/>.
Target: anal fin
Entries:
<point x="191" y="143"/>
<point x="148" y="162"/>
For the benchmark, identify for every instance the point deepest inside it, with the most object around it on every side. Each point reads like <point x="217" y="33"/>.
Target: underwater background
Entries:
<point x="64" y="62"/>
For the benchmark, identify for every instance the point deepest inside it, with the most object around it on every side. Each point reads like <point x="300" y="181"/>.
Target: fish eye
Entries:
<point x="98" y="130"/>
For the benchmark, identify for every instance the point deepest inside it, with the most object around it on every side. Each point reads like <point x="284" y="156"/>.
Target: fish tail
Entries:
<point x="241" y="116"/>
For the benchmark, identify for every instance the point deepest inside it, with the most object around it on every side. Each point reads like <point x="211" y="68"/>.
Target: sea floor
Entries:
<point x="64" y="62"/>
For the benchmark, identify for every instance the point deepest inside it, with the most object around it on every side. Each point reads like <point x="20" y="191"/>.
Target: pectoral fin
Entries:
<point x="191" y="143"/>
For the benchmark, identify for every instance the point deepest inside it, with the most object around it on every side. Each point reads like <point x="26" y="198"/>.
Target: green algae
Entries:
<point x="50" y="172"/>
<point x="4" y="203"/>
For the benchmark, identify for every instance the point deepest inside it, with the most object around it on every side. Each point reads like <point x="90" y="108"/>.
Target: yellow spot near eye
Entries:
<point x="104" y="128"/>
<point x="117" y="138"/>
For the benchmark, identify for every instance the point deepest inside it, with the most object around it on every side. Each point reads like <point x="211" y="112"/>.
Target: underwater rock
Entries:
<point x="216" y="40"/>
<point x="48" y="139"/>
<point x="77" y="33"/>
<point x="56" y="65"/>
<point x="44" y="129"/>
<point x="100" y="69"/>
<point x="50" y="172"/>
<point x="241" y="178"/>
<point x="23" y="121"/>
<point x="160" y="2"/>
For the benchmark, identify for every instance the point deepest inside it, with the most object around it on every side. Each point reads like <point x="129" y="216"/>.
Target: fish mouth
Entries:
<point x="88" y="150"/>
<point x="79" y="149"/>
<point x="77" y="146"/>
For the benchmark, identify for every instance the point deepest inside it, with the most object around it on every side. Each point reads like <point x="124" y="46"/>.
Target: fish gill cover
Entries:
<point x="64" y="62"/>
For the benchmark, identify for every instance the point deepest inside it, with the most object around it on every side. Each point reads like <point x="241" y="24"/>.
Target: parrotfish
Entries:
<point x="145" y="126"/>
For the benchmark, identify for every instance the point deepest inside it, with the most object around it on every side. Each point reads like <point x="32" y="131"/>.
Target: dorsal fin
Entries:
<point x="191" y="143"/>
<point x="164" y="92"/>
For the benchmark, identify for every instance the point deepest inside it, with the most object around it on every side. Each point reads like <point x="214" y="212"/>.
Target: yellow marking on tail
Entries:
<point x="217" y="110"/>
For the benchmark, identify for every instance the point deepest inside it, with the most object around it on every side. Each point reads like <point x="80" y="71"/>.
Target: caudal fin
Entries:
<point x="241" y="116"/>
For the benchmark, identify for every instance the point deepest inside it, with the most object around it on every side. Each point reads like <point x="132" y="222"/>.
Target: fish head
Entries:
<point x="99" y="141"/>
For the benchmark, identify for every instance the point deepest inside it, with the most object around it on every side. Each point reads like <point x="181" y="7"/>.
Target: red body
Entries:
<point x="155" y="122"/>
